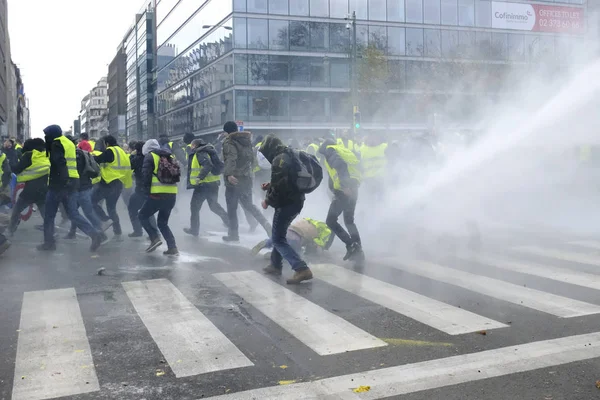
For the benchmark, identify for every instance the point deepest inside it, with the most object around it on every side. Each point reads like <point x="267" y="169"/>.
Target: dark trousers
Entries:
<point x="343" y="204"/>
<point x="242" y="194"/>
<point x="20" y="205"/>
<point x="163" y="205"/>
<point x="209" y="193"/>
<point x="111" y="193"/>
<point x="136" y="201"/>
<point x="68" y="199"/>
<point x="282" y="220"/>
<point x="84" y="201"/>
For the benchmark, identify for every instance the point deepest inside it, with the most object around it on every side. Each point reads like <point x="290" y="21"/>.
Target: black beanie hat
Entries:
<point x="230" y="127"/>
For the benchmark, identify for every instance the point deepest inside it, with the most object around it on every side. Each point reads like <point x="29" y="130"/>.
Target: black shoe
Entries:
<point x="4" y="246"/>
<point x="135" y="234"/>
<point x="189" y="231"/>
<point x="47" y="247"/>
<point x="171" y="252"/>
<point x="156" y="243"/>
<point x="231" y="238"/>
<point x="352" y="250"/>
<point x="96" y="243"/>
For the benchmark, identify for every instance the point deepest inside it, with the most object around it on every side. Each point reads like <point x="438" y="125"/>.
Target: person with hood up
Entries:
<point x="344" y="180"/>
<point x="160" y="197"/>
<point x="62" y="187"/>
<point x="240" y="159"/>
<point x="32" y="169"/>
<point x="205" y="184"/>
<point x="115" y="170"/>
<point x="138" y="197"/>
<point x="286" y="199"/>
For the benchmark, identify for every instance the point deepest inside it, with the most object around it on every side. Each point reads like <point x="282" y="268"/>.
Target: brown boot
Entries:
<point x="300" y="276"/>
<point x="271" y="270"/>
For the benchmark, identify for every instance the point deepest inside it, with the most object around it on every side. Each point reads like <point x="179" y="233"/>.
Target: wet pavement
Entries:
<point x="516" y="319"/>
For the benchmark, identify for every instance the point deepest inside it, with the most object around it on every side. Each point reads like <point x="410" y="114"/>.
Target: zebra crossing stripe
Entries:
<point x="322" y="331"/>
<point x="564" y="275"/>
<point x="535" y="299"/>
<point x="444" y="317"/>
<point x="53" y="353"/>
<point x="560" y="254"/>
<point x="189" y="341"/>
<point x="433" y="374"/>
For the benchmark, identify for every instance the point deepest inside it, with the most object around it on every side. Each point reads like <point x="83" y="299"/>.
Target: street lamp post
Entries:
<point x="351" y="24"/>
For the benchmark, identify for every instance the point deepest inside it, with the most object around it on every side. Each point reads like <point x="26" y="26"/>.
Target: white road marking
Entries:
<point x="190" y="343"/>
<point x="582" y="258"/>
<point x="516" y="294"/>
<point x="592" y="244"/>
<point x="433" y="374"/>
<point x="564" y="275"/>
<point x="53" y="353"/>
<point x="322" y="331"/>
<point x="444" y="317"/>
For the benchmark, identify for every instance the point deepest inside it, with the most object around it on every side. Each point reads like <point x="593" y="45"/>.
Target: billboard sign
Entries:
<point x="537" y="17"/>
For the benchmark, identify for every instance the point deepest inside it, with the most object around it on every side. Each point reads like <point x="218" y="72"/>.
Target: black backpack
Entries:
<point x="307" y="174"/>
<point x="169" y="170"/>
<point x="218" y="164"/>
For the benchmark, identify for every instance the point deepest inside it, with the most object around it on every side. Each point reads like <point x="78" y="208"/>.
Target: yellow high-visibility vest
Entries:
<point x="18" y="146"/>
<point x="257" y="147"/>
<point x="40" y="166"/>
<point x="119" y="168"/>
<point x="196" y="170"/>
<point x="92" y="143"/>
<point x="2" y="158"/>
<point x="70" y="156"/>
<point x="323" y="231"/>
<point x="351" y="161"/>
<point x="157" y="187"/>
<point x="313" y="149"/>
<point x="373" y="160"/>
<point x="351" y="145"/>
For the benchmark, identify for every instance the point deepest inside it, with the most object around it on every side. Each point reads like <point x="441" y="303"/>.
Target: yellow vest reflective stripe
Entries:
<point x="18" y="146"/>
<point x="257" y="147"/>
<point x="70" y="156"/>
<point x="119" y="168"/>
<point x="351" y="161"/>
<point x="197" y="170"/>
<point x="157" y="187"/>
<point x="40" y="166"/>
<point x="92" y="143"/>
<point x="323" y="230"/>
<point x="373" y="160"/>
<point x="2" y="158"/>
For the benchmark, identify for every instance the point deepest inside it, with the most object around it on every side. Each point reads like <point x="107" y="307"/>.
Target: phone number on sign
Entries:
<point x="558" y="23"/>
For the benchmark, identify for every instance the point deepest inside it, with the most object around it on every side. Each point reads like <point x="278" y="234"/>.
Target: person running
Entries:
<point x="160" y="196"/>
<point x="138" y="196"/>
<point x="240" y="158"/>
<point x="283" y="195"/>
<point x="62" y="187"/>
<point x="32" y="169"/>
<point x="203" y="161"/>
<point x="115" y="170"/>
<point x="344" y="179"/>
<point x="84" y="193"/>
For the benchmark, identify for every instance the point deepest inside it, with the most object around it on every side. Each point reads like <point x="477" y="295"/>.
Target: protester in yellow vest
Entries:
<point x="307" y="234"/>
<point x="32" y="170"/>
<point x="161" y="197"/>
<point x="374" y="165"/>
<point x="115" y="170"/>
<point x="62" y="184"/>
<point x="202" y="161"/>
<point x="344" y="179"/>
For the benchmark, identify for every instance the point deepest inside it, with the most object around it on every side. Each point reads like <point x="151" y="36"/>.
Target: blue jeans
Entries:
<point x="111" y="192"/>
<point x="282" y="220"/>
<point x="84" y="200"/>
<point x="293" y="239"/>
<point x="163" y="204"/>
<point x="54" y="198"/>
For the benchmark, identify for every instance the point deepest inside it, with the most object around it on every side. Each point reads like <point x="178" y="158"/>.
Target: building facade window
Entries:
<point x="396" y="41"/>
<point x="483" y="13"/>
<point x="361" y="8"/>
<point x="338" y="8"/>
<point x="414" y="42"/>
<point x="258" y="33"/>
<point x="466" y="12"/>
<point x="319" y="8"/>
<point x="240" y="37"/>
<point x="414" y="11"/>
<point x="278" y="7"/>
<point x="299" y="7"/>
<point x="431" y="12"/>
<point x="377" y="10"/>
<point x="299" y="35"/>
<point x="257" y="6"/>
<point x="395" y="10"/>
<point x="278" y="35"/>
<point x="433" y="43"/>
<point x="449" y="12"/>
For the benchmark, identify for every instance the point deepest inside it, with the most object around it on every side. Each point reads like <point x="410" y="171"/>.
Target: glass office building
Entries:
<point x="284" y="65"/>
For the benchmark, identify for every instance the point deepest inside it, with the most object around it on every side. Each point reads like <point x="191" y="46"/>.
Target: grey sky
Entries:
<point x="63" y="48"/>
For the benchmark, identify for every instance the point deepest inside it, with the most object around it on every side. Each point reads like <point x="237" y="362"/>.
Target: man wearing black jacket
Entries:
<point x="205" y="184"/>
<point x="284" y="197"/>
<point x="137" y="199"/>
<point x="63" y="182"/>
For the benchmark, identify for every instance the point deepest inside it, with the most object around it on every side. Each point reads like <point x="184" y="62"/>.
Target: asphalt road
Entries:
<point x="516" y="319"/>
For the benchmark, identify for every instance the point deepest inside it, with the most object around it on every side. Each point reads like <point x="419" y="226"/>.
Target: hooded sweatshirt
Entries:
<point x="151" y="146"/>
<point x="59" y="173"/>
<point x="239" y="156"/>
<point x="205" y="154"/>
<point x="282" y="191"/>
